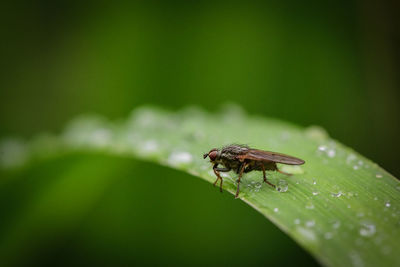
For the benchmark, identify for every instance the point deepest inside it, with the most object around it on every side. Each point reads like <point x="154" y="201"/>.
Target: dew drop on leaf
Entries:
<point x="331" y="153"/>
<point x="316" y="133"/>
<point x="179" y="158"/>
<point x="336" y="224"/>
<point x="149" y="146"/>
<point x="338" y="194"/>
<point x="356" y="259"/>
<point x="282" y="186"/>
<point x="310" y="223"/>
<point x="328" y="235"/>
<point x="258" y="185"/>
<point x="367" y="229"/>
<point x="310" y="206"/>
<point x="307" y="234"/>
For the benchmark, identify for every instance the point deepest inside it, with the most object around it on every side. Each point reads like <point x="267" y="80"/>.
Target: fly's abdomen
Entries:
<point x="270" y="166"/>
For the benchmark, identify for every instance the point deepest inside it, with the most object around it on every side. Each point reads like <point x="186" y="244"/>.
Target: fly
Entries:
<point x="242" y="159"/>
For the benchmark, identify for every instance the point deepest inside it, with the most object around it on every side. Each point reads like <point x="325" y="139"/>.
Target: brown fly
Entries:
<point x="242" y="159"/>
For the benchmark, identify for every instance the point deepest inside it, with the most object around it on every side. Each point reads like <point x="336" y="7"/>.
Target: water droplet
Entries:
<point x="179" y="158"/>
<point x="143" y="117"/>
<point x="367" y="229"/>
<point x="258" y="185"/>
<point x="149" y="146"/>
<point x="316" y="133"/>
<point x="307" y="233"/>
<point x="223" y="174"/>
<point x="387" y="204"/>
<point x="310" y="206"/>
<point x="328" y="235"/>
<point x="297" y="221"/>
<point x="378" y="175"/>
<point x="310" y="223"/>
<point x="315" y="193"/>
<point x="331" y="153"/>
<point x="336" y="224"/>
<point x="350" y="158"/>
<point x="276" y="210"/>
<point x="338" y="194"/>
<point x="282" y="186"/>
<point x="101" y="137"/>
<point x="356" y="259"/>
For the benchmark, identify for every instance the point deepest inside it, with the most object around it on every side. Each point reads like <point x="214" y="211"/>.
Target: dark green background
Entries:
<point x="328" y="63"/>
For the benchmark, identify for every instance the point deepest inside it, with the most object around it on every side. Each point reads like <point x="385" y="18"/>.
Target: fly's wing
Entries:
<point x="260" y="155"/>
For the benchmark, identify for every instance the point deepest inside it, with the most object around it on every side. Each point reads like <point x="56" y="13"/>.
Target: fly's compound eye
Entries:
<point x="213" y="155"/>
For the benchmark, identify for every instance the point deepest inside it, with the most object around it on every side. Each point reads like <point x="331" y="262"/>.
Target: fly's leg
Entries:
<point x="216" y="171"/>
<point x="218" y="176"/>
<point x="244" y="165"/>
<point x="265" y="177"/>
<point x="289" y="174"/>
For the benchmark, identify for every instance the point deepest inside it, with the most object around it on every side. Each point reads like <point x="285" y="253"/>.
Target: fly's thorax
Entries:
<point x="228" y="156"/>
<point x="235" y="149"/>
<point x="229" y="162"/>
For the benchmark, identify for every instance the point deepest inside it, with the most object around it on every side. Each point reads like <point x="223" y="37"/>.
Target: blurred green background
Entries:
<point x="328" y="63"/>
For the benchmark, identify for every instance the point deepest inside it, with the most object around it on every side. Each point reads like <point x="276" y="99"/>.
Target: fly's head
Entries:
<point x="214" y="155"/>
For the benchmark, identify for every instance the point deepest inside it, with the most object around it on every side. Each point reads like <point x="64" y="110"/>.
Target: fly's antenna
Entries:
<point x="205" y="155"/>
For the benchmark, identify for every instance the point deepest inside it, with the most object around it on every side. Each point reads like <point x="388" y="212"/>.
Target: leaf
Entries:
<point x="340" y="206"/>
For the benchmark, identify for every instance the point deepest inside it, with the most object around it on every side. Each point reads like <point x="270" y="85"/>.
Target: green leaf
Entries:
<point x="340" y="206"/>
